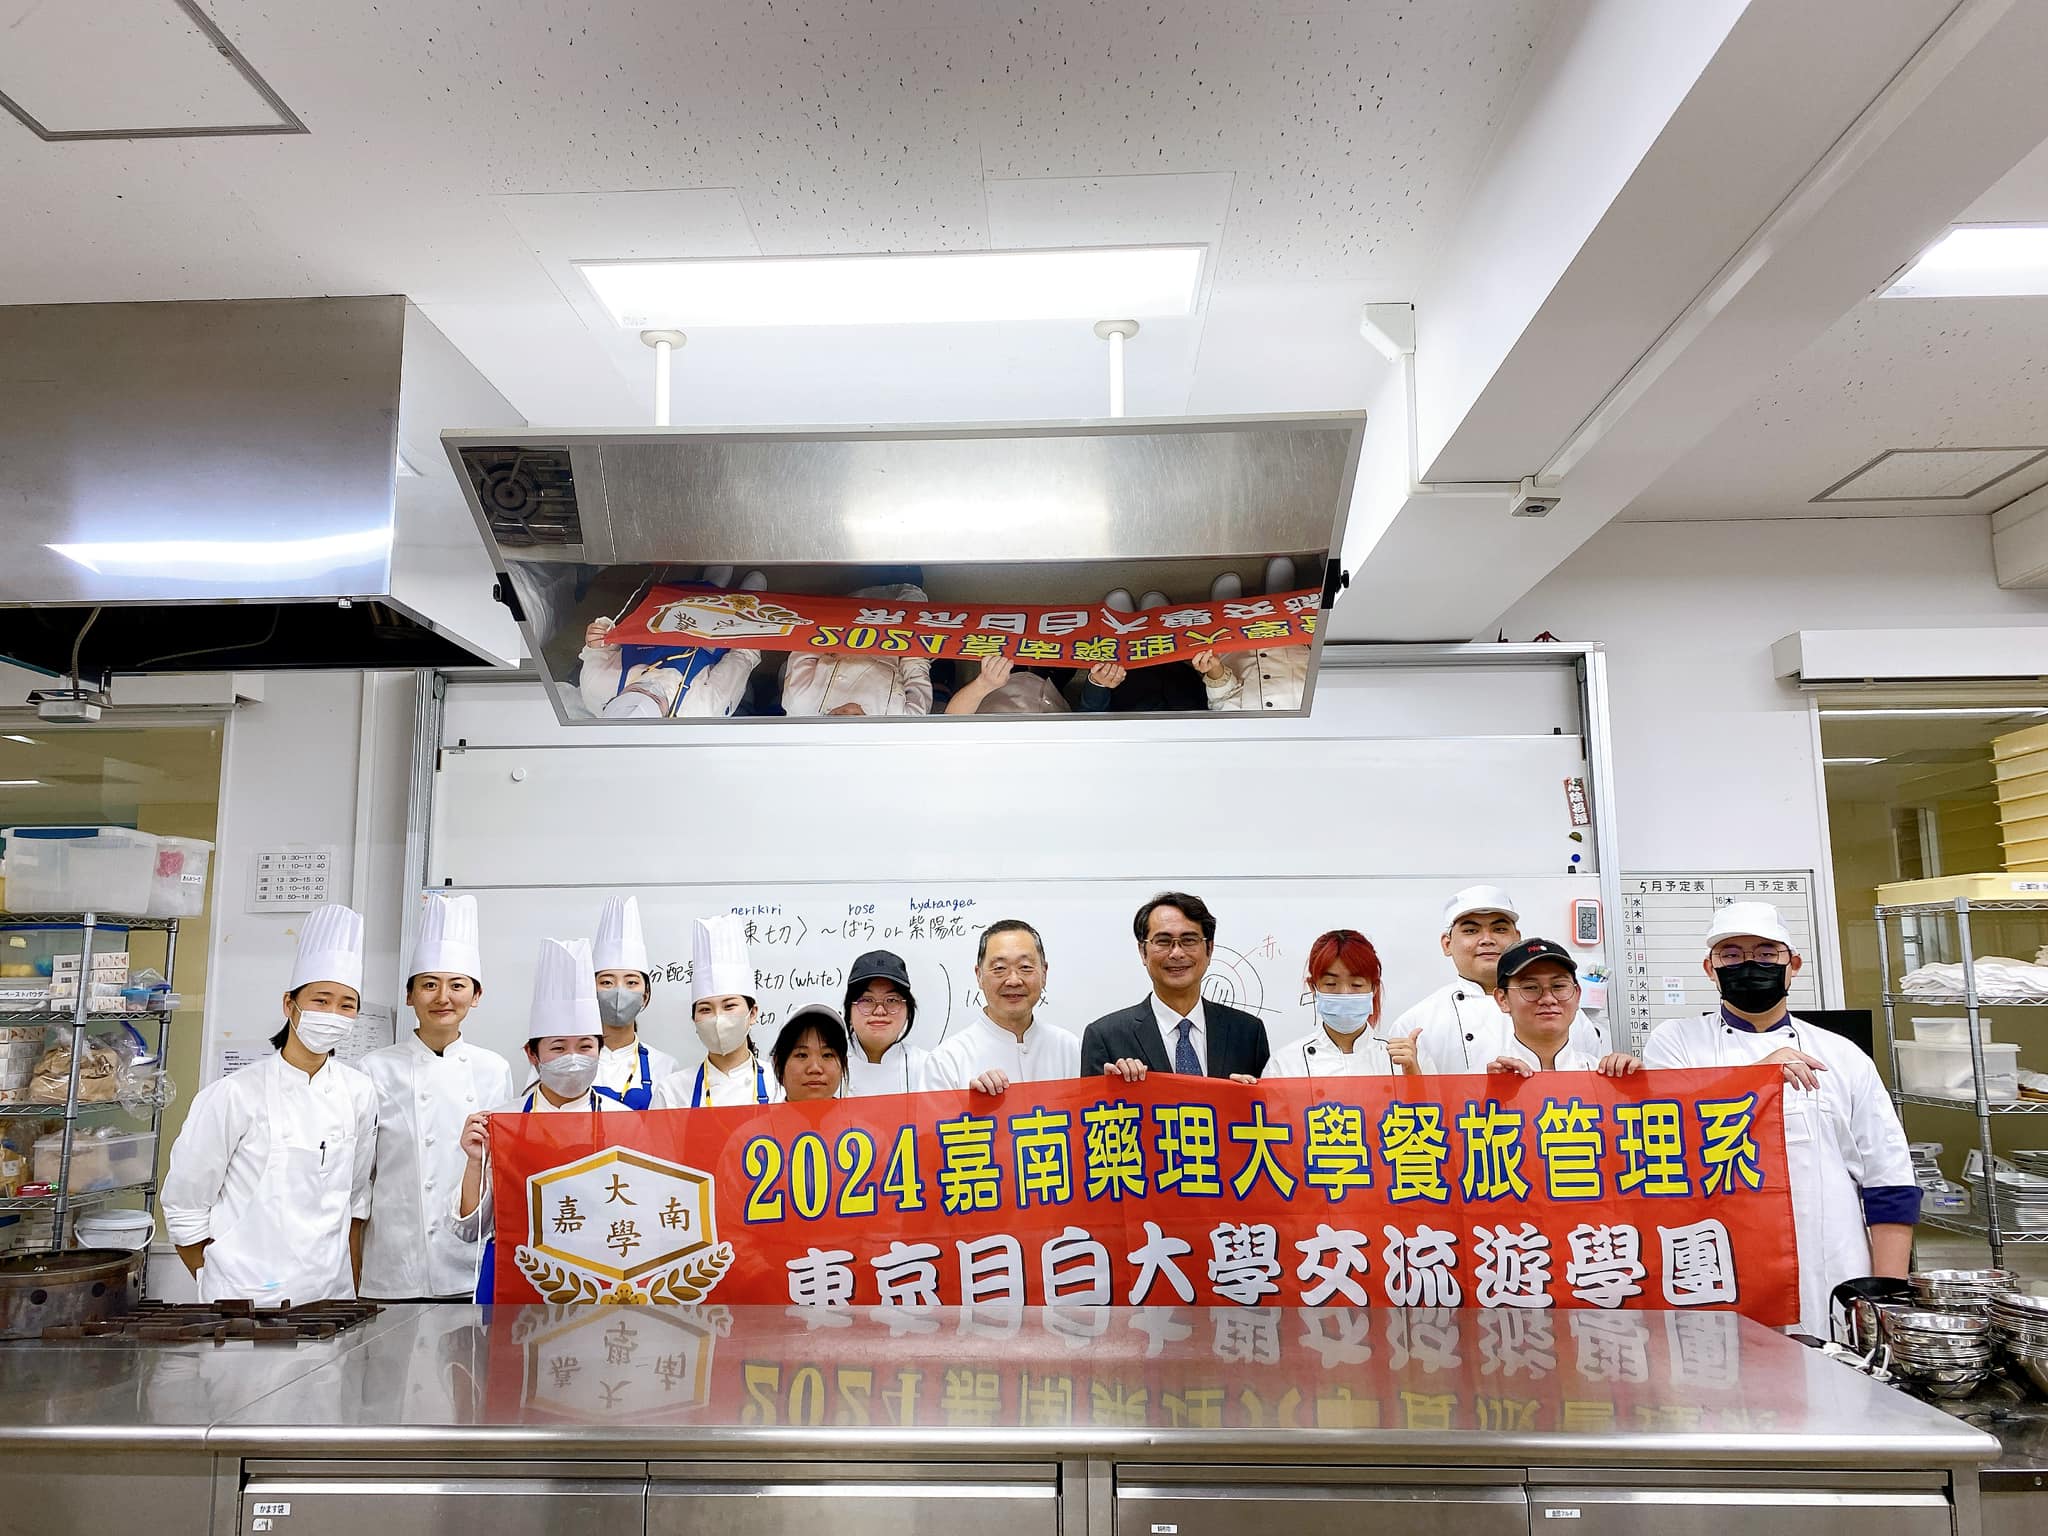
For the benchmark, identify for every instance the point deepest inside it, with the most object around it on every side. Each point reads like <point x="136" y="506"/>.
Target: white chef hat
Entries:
<point x="719" y="963"/>
<point x="330" y="948"/>
<point x="1749" y="919"/>
<point x="447" y="942"/>
<point x="1478" y="898"/>
<point x="564" y="991"/>
<point x="621" y="943"/>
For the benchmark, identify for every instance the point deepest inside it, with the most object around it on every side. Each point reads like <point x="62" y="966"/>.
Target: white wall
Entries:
<point x="1714" y="760"/>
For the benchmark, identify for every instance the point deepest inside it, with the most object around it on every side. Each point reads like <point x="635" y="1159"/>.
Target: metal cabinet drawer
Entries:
<point x="854" y="1500"/>
<point x="1308" y="1503"/>
<point x="1716" y="1511"/>
<point x="430" y="1504"/>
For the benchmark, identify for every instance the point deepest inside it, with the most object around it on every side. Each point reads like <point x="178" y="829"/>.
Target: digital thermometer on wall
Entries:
<point x="1586" y="922"/>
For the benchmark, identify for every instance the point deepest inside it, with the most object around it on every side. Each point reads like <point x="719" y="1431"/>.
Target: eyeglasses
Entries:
<point x="891" y="1004"/>
<point x="1167" y="943"/>
<point x="1536" y="991"/>
<point x="1766" y="954"/>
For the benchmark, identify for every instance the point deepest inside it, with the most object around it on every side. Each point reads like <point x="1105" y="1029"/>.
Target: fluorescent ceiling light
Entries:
<point x="259" y="554"/>
<point x="1906" y="712"/>
<point x="1849" y="762"/>
<point x="1100" y="283"/>
<point x="26" y="741"/>
<point x="1979" y="261"/>
<point x="21" y="784"/>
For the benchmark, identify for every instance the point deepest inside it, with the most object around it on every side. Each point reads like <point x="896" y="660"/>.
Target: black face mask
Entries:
<point x="1753" y="986"/>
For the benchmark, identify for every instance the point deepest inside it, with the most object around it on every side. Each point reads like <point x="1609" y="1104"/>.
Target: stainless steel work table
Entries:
<point x="1048" y="1422"/>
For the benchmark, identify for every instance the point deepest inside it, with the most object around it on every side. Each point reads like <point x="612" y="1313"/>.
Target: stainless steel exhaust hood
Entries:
<point x="584" y="526"/>
<point x="241" y="485"/>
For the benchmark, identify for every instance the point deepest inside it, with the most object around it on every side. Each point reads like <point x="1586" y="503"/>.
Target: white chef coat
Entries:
<point x="1463" y="1029"/>
<point x="1317" y="1055"/>
<point x="901" y="1070"/>
<point x="273" y="1166"/>
<point x="751" y="1082"/>
<point x="1257" y="680"/>
<point x="1169" y="1030"/>
<point x="815" y="683"/>
<point x="1044" y="1055"/>
<point x="423" y="1101"/>
<point x="1569" y="1059"/>
<point x="1840" y="1140"/>
<point x="476" y="1226"/>
<point x="714" y="692"/>
<point x="620" y="1070"/>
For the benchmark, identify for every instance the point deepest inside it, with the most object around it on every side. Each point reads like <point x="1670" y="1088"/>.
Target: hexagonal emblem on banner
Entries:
<point x="623" y="1225"/>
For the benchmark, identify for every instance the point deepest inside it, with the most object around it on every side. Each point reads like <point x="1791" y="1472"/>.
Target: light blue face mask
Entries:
<point x="1344" y="1013"/>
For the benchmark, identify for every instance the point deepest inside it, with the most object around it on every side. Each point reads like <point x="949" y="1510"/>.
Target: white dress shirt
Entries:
<point x="1044" y="1055"/>
<point x="1169" y="1031"/>
<point x="423" y="1100"/>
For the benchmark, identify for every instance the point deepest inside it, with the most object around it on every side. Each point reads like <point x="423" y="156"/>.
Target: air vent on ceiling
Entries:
<point x="1931" y="474"/>
<point x="528" y="494"/>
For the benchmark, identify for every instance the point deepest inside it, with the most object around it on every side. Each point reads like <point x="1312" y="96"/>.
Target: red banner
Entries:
<point x="1029" y="633"/>
<point x="1666" y="1189"/>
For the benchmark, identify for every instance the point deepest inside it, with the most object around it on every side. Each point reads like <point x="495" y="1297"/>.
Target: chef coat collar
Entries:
<point x="1735" y="1021"/>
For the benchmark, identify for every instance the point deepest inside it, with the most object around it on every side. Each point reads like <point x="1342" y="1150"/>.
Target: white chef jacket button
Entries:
<point x="430" y="1185"/>
<point x="428" y="1140"/>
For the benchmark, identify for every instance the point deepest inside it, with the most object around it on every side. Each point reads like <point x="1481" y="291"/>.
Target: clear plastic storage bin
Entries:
<point x="107" y="869"/>
<point x="1943" y="1071"/>
<point x="98" y="1162"/>
<point x="179" y="889"/>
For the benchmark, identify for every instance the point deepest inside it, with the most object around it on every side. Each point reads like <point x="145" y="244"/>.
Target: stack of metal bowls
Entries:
<point x="1960" y="1290"/>
<point x="1943" y="1354"/>
<point x="2019" y="1326"/>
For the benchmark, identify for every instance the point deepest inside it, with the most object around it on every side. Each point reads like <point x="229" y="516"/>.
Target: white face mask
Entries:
<point x="723" y="1033"/>
<point x="321" y="1033"/>
<point x="568" y="1077"/>
<point x="1344" y="1013"/>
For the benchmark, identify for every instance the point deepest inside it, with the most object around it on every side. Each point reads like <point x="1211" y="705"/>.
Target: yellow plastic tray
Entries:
<point x="2002" y="886"/>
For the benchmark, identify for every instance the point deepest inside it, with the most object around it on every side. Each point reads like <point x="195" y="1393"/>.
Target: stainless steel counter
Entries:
<point x="1125" y="1420"/>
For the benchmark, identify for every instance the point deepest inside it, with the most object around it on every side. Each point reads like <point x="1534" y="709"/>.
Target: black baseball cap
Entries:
<point x="881" y="965"/>
<point x="1529" y="952"/>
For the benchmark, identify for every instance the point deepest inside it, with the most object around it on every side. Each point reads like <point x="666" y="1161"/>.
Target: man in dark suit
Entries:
<point x="1175" y="1029"/>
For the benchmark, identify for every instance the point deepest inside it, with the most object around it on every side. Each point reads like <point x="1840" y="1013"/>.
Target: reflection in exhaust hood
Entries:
<point x="1057" y="547"/>
<point x="222" y="483"/>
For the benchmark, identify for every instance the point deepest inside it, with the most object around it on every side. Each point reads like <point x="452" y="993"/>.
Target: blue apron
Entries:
<point x="760" y="1086"/>
<point x="486" y="1275"/>
<point x="642" y="1096"/>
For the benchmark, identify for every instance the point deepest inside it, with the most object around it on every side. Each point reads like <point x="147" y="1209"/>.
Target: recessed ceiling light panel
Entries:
<point x="1979" y="261"/>
<point x="933" y="288"/>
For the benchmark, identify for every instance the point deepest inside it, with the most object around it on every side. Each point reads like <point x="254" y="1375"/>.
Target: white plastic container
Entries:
<point x="115" y="1229"/>
<point x="98" y="1162"/>
<point x="109" y="870"/>
<point x="1943" y="1071"/>
<point x="1952" y="1030"/>
<point x="179" y="889"/>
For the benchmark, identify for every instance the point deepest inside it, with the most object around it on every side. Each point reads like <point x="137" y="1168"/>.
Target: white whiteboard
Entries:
<point x="808" y="935"/>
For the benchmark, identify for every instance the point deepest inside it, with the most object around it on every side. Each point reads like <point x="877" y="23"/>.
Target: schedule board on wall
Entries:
<point x="1662" y="938"/>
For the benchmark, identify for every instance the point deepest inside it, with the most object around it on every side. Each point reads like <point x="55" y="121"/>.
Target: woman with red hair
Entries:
<point x="1344" y="979"/>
